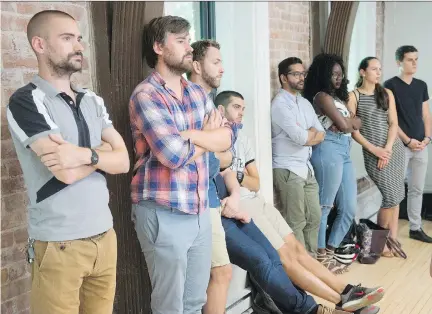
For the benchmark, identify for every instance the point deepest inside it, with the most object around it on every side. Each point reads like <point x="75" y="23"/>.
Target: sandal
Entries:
<point x="331" y="264"/>
<point x="396" y="247"/>
<point x="388" y="253"/>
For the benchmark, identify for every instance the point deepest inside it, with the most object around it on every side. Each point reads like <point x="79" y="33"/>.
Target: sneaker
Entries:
<point x="346" y="253"/>
<point x="420" y="235"/>
<point x="322" y="309"/>
<point x="359" y="297"/>
<point x="371" y="309"/>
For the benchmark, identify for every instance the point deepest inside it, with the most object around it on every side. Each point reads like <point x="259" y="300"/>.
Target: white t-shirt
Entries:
<point x="326" y="122"/>
<point x="244" y="155"/>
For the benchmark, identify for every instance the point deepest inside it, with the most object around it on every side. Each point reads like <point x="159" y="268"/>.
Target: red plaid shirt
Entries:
<point x="161" y="172"/>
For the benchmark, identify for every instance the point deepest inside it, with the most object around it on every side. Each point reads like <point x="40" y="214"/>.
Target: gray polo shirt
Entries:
<point x="291" y="118"/>
<point x="58" y="211"/>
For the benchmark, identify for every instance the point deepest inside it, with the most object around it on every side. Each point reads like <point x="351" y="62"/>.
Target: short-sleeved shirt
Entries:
<point x="58" y="211"/>
<point x="409" y="100"/>
<point x="291" y="118"/>
<point x="163" y="170"/>
<point x="244" y="155"/>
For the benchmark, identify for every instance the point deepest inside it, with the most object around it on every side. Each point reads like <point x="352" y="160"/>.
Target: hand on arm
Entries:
<point x="44" y="146"/>
<point x="156" y="123"/>
<point x="314" y="137"/>
<point x="286" y="120"/>
<point x="326" y="104"/>
<point x="214" y="136"/>
<point x="230" y="204"/>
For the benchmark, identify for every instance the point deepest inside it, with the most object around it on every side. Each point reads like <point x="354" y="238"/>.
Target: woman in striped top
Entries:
<point x="383" y="151"/>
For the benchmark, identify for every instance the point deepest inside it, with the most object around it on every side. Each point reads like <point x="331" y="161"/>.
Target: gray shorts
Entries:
<point x="177" y="248"/>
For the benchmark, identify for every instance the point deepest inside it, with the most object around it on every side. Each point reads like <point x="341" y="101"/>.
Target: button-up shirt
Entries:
<point x="163" y="170"/>
<point x="292" y="116"/>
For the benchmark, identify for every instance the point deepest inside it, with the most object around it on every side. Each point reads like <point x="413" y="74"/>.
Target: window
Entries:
<point x="201" y="15"/>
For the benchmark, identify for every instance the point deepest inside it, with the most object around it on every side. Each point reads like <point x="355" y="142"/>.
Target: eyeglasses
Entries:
<point x="298" y="74"/>
<point x="336" y="76"/>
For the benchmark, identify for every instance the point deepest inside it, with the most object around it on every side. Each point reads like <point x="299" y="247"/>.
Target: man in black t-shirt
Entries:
<point x="414" y="119"/>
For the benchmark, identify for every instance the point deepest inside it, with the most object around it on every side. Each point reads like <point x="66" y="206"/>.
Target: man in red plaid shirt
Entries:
<point x="174" y="126"/>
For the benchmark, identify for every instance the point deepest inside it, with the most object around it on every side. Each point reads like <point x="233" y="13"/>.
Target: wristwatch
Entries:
<point x="430" y="139"/>
<point x="240" y="176"/>
<point x="94" y="159"/>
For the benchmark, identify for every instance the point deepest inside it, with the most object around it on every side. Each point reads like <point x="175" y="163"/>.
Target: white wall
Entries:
<point x="246" y="57"/>
<point x="363" y="42"/>
<point x="410" y="23"/>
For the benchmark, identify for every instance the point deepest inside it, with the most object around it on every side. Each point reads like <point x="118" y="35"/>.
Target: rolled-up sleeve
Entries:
<point x="286" y="120"/>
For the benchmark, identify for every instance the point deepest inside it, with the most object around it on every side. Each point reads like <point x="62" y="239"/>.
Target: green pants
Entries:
<point x="298" y="202"/>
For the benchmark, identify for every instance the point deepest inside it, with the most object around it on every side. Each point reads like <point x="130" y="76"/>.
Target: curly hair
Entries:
<point x="320" y="75"/>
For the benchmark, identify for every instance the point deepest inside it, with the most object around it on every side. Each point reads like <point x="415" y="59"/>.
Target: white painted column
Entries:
<point x="242" y="29"/>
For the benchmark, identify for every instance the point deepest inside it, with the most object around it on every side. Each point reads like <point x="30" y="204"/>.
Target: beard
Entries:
<point x="178" y="67"/>
<point x="299" y="86"/>
<point x="66" y="66"/>
<point x="213" y="82"/>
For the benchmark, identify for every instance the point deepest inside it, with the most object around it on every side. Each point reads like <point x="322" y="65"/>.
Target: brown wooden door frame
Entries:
<point x="117" y="37"/>
<point x="340" y="27"/>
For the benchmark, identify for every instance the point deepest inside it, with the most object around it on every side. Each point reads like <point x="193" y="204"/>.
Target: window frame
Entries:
<point x="208" y="19"/>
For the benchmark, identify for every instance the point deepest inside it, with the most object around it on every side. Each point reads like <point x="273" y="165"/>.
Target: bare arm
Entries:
<point x="225" y="159"/>
<point x="326" y="104"/>
<point x="68" y="176"/>
<point x="393" y="121"/>
<point x="379" y="152"/>
<point x="117" y="160"/>
<point x="427" y="121"/>
<point x="216" y="140"/>
<point x="352" y="107"/>
<point x="251" y="178"/>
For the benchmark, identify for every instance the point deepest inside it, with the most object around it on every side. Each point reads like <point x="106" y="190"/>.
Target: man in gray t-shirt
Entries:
<point x="65" y="143"/>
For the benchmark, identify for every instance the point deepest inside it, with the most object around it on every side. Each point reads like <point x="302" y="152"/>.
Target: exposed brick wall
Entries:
<point x="289" y="35"/>
<point x="18" y="67"/>
<point x="380" y="28"/>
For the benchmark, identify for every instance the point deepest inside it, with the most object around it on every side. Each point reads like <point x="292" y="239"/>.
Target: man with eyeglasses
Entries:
<point x="295" y="129"/>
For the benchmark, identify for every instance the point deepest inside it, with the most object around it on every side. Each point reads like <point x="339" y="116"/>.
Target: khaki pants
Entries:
<point x="299" y="204"/>
<point x="75" y="276"/>
<point x="268" y="219"/>
<point x="220" y="255"/>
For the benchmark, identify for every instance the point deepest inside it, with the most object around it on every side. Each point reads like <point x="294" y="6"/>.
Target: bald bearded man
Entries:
<point x="65" y="143"/>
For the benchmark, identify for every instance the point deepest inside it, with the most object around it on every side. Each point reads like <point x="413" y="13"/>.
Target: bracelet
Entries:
<point x="430" y="138"/>
<point x="406" y="144"/>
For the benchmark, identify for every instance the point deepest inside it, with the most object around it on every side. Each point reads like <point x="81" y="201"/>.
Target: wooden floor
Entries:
<point x="407" y="282"/>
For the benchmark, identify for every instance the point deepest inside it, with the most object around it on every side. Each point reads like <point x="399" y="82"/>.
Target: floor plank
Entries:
<point x="407" y="282"/>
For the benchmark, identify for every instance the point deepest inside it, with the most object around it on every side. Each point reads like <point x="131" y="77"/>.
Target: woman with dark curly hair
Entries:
<point x="326" y="89"/>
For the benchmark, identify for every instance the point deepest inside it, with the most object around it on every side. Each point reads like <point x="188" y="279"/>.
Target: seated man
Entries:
<point x="302" y="269"/>
<point x="249" y="249"/>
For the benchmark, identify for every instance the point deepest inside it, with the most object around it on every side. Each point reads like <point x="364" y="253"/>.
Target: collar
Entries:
<point x="289" y="95"/>
<point x="49" y="89"/>
<point x="157" y="78"/>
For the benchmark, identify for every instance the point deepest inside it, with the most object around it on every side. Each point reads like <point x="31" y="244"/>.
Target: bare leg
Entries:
<point x="385" y="220"/>
<point x="217" y="291"/>
<point x="302" y="269"/>
<point x="394" y="228"/>
<point x="316" y="267"/>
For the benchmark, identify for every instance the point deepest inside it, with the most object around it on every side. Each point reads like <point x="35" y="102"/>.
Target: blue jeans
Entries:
<point x="335" y="174"/>
<point x="249" y="249"/>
